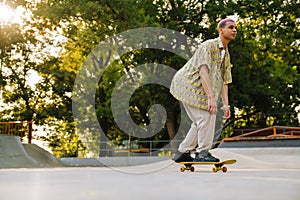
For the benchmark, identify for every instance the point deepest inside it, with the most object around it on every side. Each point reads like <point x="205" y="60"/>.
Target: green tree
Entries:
<point x="253" y="53"/>
<point x="29" y="90"/>
<point x="85" y="25"/>
<point x="265" y="57"/>
<point x="268" y="79"/>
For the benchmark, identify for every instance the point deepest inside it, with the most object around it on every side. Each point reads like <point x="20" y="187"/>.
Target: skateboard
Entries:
<point x="217" y="166"/>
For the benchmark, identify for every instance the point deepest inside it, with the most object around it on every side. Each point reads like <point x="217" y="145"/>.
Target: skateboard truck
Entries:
<point x="217" y="166"/>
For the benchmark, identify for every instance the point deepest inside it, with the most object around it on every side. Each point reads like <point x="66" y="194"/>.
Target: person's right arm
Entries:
<point x="204" y="78"/>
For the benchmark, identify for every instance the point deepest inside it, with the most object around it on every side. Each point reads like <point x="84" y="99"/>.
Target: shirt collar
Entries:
<point x="220" y="43"/>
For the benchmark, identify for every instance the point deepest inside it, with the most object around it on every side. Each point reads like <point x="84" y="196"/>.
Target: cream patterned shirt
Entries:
<point x="186" y="85"/>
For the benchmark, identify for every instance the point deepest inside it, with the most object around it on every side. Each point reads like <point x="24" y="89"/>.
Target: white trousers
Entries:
<point x="201" y="132"/>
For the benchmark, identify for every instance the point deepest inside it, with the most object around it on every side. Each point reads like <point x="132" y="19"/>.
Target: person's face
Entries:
<point x="229" y="31"/>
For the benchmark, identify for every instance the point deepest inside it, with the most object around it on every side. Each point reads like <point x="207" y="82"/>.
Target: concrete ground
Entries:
<point x="260" y="173"/>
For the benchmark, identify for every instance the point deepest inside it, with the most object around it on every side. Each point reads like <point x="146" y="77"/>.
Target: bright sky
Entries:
<point x="8" y="15"/>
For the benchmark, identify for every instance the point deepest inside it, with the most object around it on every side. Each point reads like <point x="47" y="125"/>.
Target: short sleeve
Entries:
<point x="201" y="57"/>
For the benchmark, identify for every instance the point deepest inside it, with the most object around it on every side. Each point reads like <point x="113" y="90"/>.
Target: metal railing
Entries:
<point x="141" y="148"/>
<point x="133" y="148"/>
<point x="17" y="128"/>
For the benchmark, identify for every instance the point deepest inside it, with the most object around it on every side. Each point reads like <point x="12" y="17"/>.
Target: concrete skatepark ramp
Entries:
<point x="14" y="154"/>
<point x="260" y="173"/>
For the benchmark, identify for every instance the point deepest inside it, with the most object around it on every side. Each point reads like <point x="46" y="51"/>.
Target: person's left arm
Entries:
<point x="226" y="108"/>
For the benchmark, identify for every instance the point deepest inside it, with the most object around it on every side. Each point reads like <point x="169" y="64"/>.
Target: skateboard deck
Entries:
<point x="217" y="166"/>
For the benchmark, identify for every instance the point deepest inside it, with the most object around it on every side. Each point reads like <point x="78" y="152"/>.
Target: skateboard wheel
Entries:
<point x="182" y="168"/>
<point x="214" y="169"/>
<point x="224" y="169"/>
<point x="192" y="169"/>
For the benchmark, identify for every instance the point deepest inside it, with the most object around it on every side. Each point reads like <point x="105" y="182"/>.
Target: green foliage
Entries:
<point x="266" y="82"/>
<point x="264" y="55"/>
<point x="63" y="142"/>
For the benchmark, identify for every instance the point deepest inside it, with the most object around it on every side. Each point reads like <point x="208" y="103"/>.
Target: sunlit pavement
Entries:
<point x="270" y="174"/>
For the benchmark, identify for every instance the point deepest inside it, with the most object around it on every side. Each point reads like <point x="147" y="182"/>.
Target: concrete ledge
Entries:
<point x="260" y="142"/>
<point x="111" y="161"/>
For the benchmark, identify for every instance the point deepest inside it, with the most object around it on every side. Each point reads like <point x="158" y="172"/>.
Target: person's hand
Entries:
<point x="212" y="106"/>
<point x="226" y="110"/>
